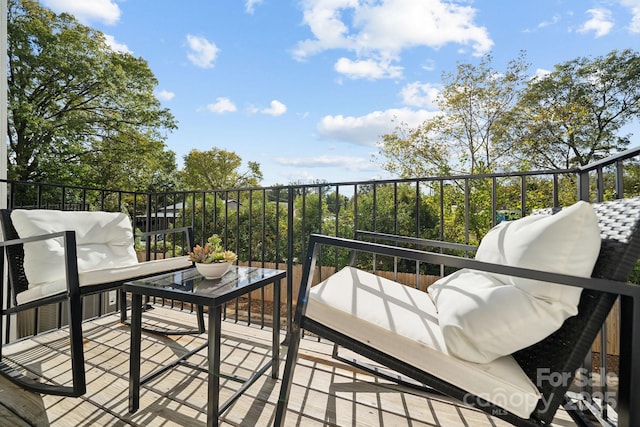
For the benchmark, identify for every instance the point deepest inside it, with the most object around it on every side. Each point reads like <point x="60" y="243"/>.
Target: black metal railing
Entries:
<point x="271" y="226"/>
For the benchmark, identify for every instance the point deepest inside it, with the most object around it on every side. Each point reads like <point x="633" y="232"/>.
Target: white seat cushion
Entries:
<point x="105" y="275"/>
<point x="403" y="322"/>
<point x="484" y="316"/>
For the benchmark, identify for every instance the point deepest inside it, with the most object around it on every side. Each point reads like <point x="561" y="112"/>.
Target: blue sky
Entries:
<point x="305" y="88"/>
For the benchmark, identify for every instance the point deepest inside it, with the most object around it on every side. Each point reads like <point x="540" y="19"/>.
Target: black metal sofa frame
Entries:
<point x="562" y="352"/>
<point x="17" y="282"/>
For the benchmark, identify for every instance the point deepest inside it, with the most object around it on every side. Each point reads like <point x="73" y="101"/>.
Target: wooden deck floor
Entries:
<point x="325" y="392"/>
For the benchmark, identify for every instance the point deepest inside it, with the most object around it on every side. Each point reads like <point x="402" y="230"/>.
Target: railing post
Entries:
<point x="290" y="256"/>
<point x="583" y="185"/>
<point x="628" y="408"/>
<point x="619" y="179"/>
<point x="4" y="87"/>
<point x="148" y="229"/>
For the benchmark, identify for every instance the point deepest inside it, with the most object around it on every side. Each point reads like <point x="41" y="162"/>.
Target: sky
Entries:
<point x="306" y="88"/>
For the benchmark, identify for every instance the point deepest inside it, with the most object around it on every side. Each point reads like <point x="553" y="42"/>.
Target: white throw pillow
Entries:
<point x="104" y="239"/>
<point x="484" y="316"/>
<point x="482" y="319"/>
<point x="567" y="242"/>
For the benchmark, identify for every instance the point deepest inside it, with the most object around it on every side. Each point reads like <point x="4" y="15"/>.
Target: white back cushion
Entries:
<point x="104" y="239"/>
<point x="567" y="242"/>
<point x="482" y="319"/>
<point x="484" y="316"/>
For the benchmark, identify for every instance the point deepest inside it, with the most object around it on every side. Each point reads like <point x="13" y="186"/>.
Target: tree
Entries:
<point x="79" y="112"/>
<point x="218" y="169"/>
<point x="573" y="115"/>
<point x="472" y="102"/>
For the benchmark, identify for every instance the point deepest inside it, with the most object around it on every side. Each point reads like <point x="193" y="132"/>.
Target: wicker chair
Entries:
<point x="562" y="352"/>
<point x="18" y="283"/>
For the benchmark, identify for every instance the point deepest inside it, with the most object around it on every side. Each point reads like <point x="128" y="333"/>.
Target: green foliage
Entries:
<point x="573" y="115"/>
<point x="218" y="169"/>
<point x="491" y="121"/>
<point x="157" y="246"/>
<point x="460" y="138"/>
<point x="213" y="251"/>
<point x="635" y="274"/>
<point x="408" y="152"/>
<point x="396" y="209"/>
<point x="75" y="102"/>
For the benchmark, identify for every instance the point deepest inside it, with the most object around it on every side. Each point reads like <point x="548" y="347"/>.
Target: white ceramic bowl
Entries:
<point x="214" y="270"/>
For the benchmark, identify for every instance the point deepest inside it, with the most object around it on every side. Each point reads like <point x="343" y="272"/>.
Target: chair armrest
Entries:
<point x="603" y="285"/>
<point x="415" y="241"/>
<point x="13" y="242"/>
<point x="71" y="257"/>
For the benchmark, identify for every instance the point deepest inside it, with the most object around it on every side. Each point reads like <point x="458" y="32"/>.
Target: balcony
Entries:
<point x="332" y="394"/>
<point x="270" y="227"/>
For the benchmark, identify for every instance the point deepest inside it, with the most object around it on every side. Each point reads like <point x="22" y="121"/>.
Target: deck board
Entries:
<point x="325" y="391"/>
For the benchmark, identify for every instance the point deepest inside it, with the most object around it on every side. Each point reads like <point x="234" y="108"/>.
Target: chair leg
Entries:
<point x="287" y="378"/>
<point x="34" y="384"/>
<point x="123" y="305"/>
<point x="77" y="350"/>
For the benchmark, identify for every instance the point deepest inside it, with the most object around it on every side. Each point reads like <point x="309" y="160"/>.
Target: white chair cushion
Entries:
<point x="484" y="316"/>
<point x="104" y="275"/>
<point x="403" y="322"/>
<point x="104" y="240"/>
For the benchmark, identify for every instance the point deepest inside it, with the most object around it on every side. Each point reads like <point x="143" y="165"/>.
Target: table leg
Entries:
<point x="200" y="314"/>
<point x="213" y="398"/>
<point x="134" y="353"/>
<point x="275" y="339"/>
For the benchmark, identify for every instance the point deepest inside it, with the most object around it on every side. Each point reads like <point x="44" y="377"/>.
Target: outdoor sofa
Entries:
<point x="54" y="256"/>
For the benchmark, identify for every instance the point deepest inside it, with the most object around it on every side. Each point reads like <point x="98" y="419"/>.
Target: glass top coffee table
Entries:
<point x="190" y="287"/>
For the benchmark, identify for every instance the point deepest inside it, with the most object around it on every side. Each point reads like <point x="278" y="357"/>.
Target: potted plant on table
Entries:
<point x="212" y="260"/>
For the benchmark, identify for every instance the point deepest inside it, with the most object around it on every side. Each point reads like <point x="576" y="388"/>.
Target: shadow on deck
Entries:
<point x="331" y="393"/>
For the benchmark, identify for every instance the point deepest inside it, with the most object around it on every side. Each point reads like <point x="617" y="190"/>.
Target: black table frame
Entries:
<point x="190" y="287"/>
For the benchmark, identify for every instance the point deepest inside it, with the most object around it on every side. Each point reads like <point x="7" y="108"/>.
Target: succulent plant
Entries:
<point x="212" y="252"/>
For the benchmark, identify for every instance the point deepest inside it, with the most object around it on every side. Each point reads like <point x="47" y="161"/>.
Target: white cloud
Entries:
<point x="300" y="176"/>
<point x="276" y="108"/>
<point x="554" y="20"/>
<point x="250" y="5"/>
<point x="105" y="11"/>
<point x="541" y="73"/>
<point x="429" y="65"/>
<point x="202" y="52"/>
<point x="351" y="163"/>
<point x="113" y="44"/>
<point x="166" y="95"/>
<point x="382" y="30"/>
<point x="634" y="6"/>
<point x="368" y="69"/>
<point x="601" y="22"/>
<point x="222" y="105"/>
<point x="366" y="130"/>
<point x="418" y="94"/>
